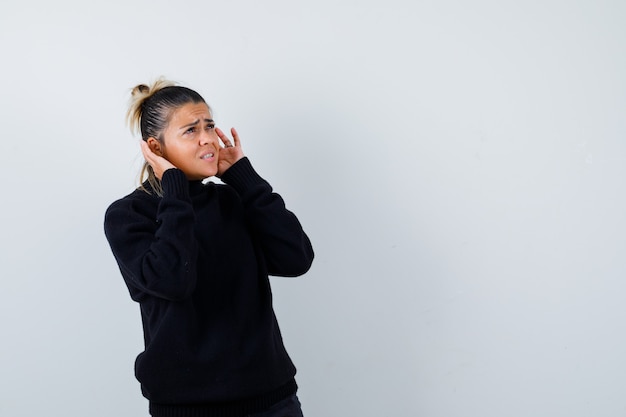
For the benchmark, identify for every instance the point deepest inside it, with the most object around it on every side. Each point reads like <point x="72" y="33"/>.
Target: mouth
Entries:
<point x="208" y="155"/>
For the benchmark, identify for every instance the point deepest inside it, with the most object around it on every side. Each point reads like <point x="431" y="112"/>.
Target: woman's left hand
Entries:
<point x="229" y="153"/>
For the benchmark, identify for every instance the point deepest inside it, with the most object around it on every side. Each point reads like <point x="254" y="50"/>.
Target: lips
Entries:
<point x="208" y="155"/>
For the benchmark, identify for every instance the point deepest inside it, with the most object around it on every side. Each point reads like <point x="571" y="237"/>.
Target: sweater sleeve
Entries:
<point x="156" y="256"/>
<point x="286" y="247"/>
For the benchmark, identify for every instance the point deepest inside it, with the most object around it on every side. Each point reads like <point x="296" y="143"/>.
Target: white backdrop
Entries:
<point x="460" y="167"/>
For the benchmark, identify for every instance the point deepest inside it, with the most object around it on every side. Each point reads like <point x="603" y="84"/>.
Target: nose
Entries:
<point x="208" y="137"/>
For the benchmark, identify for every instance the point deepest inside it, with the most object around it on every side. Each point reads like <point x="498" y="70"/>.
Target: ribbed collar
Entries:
<point x="195" y="187"/>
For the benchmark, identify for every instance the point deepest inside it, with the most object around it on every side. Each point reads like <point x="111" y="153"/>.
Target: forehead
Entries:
<point x="190" y="112"/>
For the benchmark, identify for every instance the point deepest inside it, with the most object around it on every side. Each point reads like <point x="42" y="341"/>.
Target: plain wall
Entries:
<point x="460" y="167"/>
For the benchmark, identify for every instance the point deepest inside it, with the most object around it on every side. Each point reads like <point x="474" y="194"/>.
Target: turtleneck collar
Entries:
<point x="195" y="187"/>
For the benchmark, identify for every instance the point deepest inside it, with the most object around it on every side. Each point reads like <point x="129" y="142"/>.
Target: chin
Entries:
<point x="200" y="176"/>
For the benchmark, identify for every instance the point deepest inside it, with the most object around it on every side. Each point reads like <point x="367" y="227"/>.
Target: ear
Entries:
<point x="155" y="146"/>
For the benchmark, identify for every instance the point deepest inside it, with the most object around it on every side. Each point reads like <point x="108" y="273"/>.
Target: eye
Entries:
<point x="190" y="130"/>
<point x="210" y="126"/>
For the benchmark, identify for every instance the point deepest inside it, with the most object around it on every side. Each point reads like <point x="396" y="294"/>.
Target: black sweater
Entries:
<point x="197" y="260"/>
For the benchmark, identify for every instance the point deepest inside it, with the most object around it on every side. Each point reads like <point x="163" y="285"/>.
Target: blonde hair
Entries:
<point x="149" y="112"/>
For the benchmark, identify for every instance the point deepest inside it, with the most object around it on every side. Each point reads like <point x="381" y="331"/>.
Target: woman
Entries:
<point x="196" y="257"/>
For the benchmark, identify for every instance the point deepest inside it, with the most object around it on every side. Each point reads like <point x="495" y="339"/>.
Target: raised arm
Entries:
<point x="153" y="240"/>
<point x="284" y="244"/>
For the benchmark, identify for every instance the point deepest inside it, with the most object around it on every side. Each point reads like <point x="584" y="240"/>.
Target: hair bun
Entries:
<point x="138" y="96"/>
<point x="140" y="89"/>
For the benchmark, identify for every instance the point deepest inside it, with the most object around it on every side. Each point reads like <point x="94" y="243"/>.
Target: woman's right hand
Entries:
<point x="158" y="163"/>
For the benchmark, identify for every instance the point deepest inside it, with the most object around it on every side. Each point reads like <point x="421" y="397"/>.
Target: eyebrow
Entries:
<point x="194" y="123"/>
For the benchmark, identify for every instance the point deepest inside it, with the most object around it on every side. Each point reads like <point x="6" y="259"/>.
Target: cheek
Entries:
<point x="182" y="153"/>
<point x="163" y="150"/>
<point x="213" y="136"/>
<point x="171" y="149"/>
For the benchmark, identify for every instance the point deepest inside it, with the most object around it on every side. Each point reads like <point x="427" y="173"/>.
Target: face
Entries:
<point x="191" y="143"/>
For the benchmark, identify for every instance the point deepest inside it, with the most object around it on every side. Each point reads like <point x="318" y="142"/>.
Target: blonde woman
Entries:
<point x="196" y="256"/>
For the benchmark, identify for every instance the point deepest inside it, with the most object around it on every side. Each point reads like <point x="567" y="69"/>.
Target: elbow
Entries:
<point x="306" y="263"/>
<point x="296" y="265"/>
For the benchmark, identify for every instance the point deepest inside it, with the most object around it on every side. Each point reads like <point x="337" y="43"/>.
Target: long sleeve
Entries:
<point x="286" y="247"/>
<point x="197" y="260"/>
<point x="153" y="240"/>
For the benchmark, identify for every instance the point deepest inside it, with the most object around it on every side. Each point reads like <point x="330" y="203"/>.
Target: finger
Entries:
<point x="145" y="150"/>
<point x="151" y="158"/>
<point x="233" y="131"/>
<point x="148" y="155"/>
<point x="223" y="137"/>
